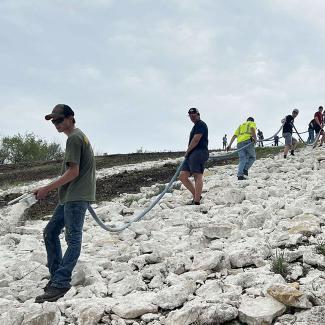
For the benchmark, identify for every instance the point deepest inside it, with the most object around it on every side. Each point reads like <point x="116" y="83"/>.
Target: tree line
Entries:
<point x="29" y="147"/>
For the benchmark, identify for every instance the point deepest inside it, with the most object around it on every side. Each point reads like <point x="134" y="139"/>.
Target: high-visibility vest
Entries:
<point x="243" y="132"/>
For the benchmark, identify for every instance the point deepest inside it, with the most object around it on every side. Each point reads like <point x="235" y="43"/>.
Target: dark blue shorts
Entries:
<point x="196" y="161"/>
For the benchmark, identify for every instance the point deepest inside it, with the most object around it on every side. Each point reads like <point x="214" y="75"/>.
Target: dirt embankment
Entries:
<point x="107" y="187"/>
<point x="34" y="171"/>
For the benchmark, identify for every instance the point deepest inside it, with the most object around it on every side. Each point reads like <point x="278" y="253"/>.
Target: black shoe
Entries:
<point x="196" y="203"/>
<point x="245" y="172"/>
<point x="51" y="294"/>
<point x="285" y="156"/>
<point x="47" y="286"/>
<point x="241" y="178"/>
<point x="292" y="153"/>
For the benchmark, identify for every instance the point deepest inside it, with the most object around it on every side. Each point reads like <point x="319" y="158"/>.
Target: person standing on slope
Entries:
<point x="76" y="188"/>
<point x="224" y="142"/>
<point x="319" y="124"/>
<point x="246" y="137"/>
<point x="196" y="156"/>
<point x="290" y="143"/>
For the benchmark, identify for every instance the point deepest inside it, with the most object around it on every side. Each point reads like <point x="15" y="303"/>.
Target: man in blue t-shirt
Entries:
<point x="196" y="156"/>
<point x="290" y="142"/>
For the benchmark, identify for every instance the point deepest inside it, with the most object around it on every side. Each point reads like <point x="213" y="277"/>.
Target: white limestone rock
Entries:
<point x="184" y="316"/>
<point x="260" y="311"/>
<point x="32" y="314"/>
<point x="39" y="257"/>
<point x="258" y="278"/>
<point x="255" y="220"/>
<point x="13" y="316"/>
<point x="127" y="285"/>
<point x="28" y="270"/>
<point x="135" y="305"/>
<point x="211" y="290"/>
<point x="91" y="315"/>
<point x="28" y="244"/>
<point x="285" y="239"/>
<point x="232" y="196"/>
<point x="219" y="230"/>
<point x="315" y="315"/>
<point x="293" y="211"/>
<point x="314" y="259"/>
<point x="305" y="224"/>
<point x="247" y="253"/>
<point x="87" y="275"/>
<point x="195" y="276"/>
<point x="147" y="318"/>
<point x="175" y="295"/>
<point x="156" y="282"/>
<point x="179" y="263"/>
<point x="6" y="304"/>
<point x="206" y="260"/>
<point x="218" y="314"/>
<point x="24" y="289"/>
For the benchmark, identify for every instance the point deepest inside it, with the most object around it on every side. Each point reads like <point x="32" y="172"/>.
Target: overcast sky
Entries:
<point x="130" y="69"/>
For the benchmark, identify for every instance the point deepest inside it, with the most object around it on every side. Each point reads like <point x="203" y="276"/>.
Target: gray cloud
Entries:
<point x="131" y="69"/>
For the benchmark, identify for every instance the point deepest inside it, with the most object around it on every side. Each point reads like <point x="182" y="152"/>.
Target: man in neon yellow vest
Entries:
<point x="246" y="139"/>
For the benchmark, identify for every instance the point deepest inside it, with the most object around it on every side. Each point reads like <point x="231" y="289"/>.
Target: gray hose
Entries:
<point x="314" y="144"/>
<point x="143" y="213"/>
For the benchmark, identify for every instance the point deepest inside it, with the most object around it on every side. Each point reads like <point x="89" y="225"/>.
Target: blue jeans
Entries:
<point x="311" y="138"/>
<point x="70" y="215"/>
<point x="247" y="156"/>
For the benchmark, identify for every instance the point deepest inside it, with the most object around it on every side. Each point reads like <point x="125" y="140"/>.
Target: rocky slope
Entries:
<point x="183" y="264"/>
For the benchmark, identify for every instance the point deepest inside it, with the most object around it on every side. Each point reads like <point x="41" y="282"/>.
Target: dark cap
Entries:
<point x="193" y="110"/>
<point x="250" y="119"/>
<point x="60" y="110"/>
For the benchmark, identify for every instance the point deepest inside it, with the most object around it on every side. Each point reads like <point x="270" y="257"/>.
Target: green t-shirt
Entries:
<point x="79" y="151"/>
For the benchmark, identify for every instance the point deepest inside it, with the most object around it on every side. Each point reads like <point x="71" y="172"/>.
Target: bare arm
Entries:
<point x="194" y="142"/>
<point x="253" y="133"/>
<point x="231" y="142"/>
<point x="71" y="173"/>
<point x="318" y="121"/>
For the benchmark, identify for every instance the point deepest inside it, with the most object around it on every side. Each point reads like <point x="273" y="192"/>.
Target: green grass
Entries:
<point x="279" y="264"/>
<point x="320" y="247"/>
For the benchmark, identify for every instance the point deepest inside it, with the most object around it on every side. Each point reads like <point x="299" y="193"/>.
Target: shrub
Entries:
<point x="28" y="148"/>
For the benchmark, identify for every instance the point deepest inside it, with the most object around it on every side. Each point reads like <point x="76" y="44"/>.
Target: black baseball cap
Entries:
<point x="60" y="110"/>
<point x="193" y="110"/>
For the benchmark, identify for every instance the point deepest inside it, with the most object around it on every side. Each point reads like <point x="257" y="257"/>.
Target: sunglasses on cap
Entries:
<point x="58" y="120"/>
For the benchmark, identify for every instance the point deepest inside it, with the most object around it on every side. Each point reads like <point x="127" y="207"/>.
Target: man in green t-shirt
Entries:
<point x="76" y="187"/>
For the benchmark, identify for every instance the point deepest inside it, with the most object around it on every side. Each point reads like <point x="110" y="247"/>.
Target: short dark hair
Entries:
<point x="250" y="119"/>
